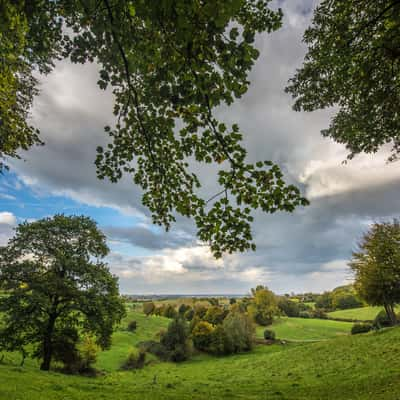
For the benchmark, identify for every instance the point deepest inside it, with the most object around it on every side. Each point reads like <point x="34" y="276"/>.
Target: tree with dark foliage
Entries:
<point x="55" y="282"/>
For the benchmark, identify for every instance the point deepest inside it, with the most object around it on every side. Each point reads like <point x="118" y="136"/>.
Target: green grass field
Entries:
<point x="304" y="329"/>
<point x="362" y="313"/>
<point x="348" y="367"/>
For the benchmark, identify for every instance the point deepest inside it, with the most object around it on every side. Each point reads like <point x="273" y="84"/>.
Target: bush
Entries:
<point x="215" y="315"/>
<point x="189" y="314"/>
<point x="200" y="311"/>
<point x="202" y="335"/>
<point x="288" y="307"/>
<point x="170" y="312"/>
<point x="148" y="307"/>
<point x="135" y="360"/>
<point x="305" y="314"/>
<point x="183" y="308"/>
<point x="132" y="326"/>
<point x="318" y="313"/>
<point x="176" y="341"/>
<point x="269" y="334"/>
<point x="382" y="320"/>
<point x="88" y="353"/>
<point x="361" y="328"/>
<point x="155" y="348"/>
<point x="219" y="343"/>
<point x="239" y="330"/>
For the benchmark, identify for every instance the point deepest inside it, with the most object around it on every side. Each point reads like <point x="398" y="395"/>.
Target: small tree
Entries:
<point x="376" y="266"/>
<point x="264" y="306"/>
<point x="54" y="281"/>
<point x="176" y="340"/>
<point x="239" y="330"/>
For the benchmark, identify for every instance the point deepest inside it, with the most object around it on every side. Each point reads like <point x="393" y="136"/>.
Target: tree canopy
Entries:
<point x="353" y="63"/>
<point x="56" y="286"/>
<point x="169" y="63"/>
<point x="376" y="266"/>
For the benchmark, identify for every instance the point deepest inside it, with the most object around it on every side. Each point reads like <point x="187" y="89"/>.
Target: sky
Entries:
<point x="307" y="250"/>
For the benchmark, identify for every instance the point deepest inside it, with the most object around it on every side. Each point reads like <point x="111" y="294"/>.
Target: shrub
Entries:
<point x="132" y="326"/>
<point x="202" y="335"/>
<point x="269" y="334"/>
<point x="239" y="330"/>
<point x="304" y="307"/>
<point x="288" y="307"/>
<point x="182" y="309"/>
<point x="176" y="340"/>
<point x="169" y="311"/>
<point x="136" y="359"/>
<point x="382" y="320"/>
<point x="155" y="348"/>
<point x="200" y="311"/>
<point x="189" y="314"/>
<point x="305" y="314"/>
<point x="215" y="315"/>
<point x="88" y="353"/>
<point x="148" y="307"/>
<point x="318" y="313"/>
<point x="361" y="328"/>
<point x="219" y="343"/>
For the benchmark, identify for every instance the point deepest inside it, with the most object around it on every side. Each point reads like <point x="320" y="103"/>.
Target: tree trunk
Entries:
<point x="47" y="344"/>
<point x="391" y="314"/>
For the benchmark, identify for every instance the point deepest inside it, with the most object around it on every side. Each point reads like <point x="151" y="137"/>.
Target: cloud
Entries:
<point x="300" y="251"/>
<point x="146" y="237"/>
<point x="7" y="223"/>
<point x="7" y="218"/>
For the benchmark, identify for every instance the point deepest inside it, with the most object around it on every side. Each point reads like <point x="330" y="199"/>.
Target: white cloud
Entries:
<point x="7" y="218"/>
<point x="305" y="250"/>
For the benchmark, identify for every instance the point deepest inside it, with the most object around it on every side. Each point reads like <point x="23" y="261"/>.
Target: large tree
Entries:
<point x="55" y="282"/>
<point x="376" y="266"/>
<point x="170" y="63"/>
<point x="353" y="63"/>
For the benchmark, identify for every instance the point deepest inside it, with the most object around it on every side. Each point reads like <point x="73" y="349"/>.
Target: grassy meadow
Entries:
<point x="361" y="314"/>
<point x="306" y="329"/>
<point x="339" y="367"/>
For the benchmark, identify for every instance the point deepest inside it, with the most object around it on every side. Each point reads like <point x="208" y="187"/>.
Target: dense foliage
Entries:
<point x="353" y="63"/>
<point x="170" y="64"/>
<point x="376" y="266"/>
<point x="361" y="328"/>
<point x="56" y="287"/>
<point x="264" y="305"/>
<point x="176" y="340"/>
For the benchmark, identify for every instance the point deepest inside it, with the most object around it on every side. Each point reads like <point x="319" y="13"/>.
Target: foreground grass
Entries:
<point x="304" y="329"/>
<point x="348" y="367"/>
<point x="362" y="313"/>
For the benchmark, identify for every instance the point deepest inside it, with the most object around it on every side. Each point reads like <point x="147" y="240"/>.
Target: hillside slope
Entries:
<point x="349" y="367"/>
